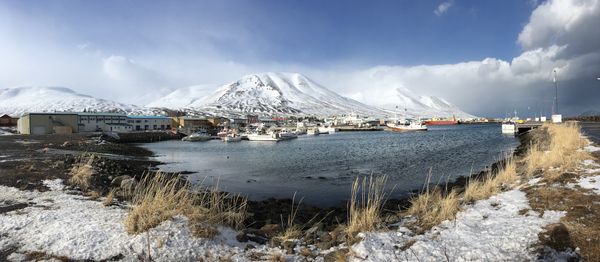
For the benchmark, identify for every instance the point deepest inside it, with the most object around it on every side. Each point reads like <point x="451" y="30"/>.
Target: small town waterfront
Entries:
<point x="321" y="168"/>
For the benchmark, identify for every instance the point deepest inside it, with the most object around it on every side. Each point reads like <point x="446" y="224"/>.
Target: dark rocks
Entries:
<point x="270" y="230"/>
<point x="557" y="237"/>
<point x="251" y="235"/>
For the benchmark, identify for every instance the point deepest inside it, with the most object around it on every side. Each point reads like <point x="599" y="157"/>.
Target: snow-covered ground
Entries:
<point x="62" y="224"/>
<point x="5" y="131"/>
<point x="489" y="230"/>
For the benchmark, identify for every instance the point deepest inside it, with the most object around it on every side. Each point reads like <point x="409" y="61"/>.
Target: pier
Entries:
<point x="527" y="126"/>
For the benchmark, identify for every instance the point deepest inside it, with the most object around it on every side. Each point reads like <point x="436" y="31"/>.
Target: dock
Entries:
<point x="352" y="129"/>
<point x="527" y="126"/>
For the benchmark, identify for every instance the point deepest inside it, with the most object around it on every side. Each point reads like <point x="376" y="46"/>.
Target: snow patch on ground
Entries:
<point x="489" y="230"/>
<point x="592" y="148"/>
<point x="534" y="181"/>
<point x="591" y="182"/>
<point x="54" y="185"/>
<point x="62" y="224"/>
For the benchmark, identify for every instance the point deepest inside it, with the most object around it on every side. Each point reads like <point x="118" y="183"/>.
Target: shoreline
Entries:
<point x="52" y="157"/>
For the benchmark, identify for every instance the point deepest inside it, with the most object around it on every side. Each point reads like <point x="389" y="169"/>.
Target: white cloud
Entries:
<point x="559" y="34"/>
<point x="443" y="8"/>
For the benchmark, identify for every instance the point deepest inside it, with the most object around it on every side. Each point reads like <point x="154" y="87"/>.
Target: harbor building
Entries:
<point x="6" y="120"/>
<point x="149" y="123"/>
<point x="48" y="123"/>
<point x="103" y="122"/>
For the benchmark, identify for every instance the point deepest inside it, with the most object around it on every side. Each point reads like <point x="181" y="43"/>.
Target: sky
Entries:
<point x="488" y="57"/>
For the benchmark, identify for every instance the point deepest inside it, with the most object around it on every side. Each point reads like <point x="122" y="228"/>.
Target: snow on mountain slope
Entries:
<point x="18" y="100"/>
<point x="424" y="106"/>
<point x="182" y="97"/>
<point x="280" y="93"/>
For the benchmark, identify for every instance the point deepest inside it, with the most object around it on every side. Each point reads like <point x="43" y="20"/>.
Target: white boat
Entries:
<point x="312" y="131"/>
<point x="231" y="138"/>
<point x="509" y="128"/>
<point x="407" y="126"/>
<point x="198" y="137"/>
<point x="223" y="133"/>
<point x="328" y="130"/>
<point x="286" y="135"/>
<point x="263" y="137"/>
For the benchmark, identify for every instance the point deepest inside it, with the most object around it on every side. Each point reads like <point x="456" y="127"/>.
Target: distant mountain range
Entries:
<point x="265" y="94"/>
<point x="18" y="100"/>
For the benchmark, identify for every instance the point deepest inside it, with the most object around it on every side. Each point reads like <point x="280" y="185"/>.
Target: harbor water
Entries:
<point x="320" y="169"/>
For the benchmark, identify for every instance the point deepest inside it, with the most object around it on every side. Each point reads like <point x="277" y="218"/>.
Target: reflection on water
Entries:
<point x="321" y="168"/>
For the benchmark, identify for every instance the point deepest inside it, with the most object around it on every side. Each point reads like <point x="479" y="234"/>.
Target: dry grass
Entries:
<point x="507" y="175"/>
<point x="277" y="257"/>
<point x="431" y="207"/>
<point x="82" y="172"/>
<point x="582" y="209"/>
<point x="365" y="205"/>
<point x="290" y="229"/>
<point x="93" y="195"/>
<point x="158" y="198"/>
<point x="562" y="152"/>
<point x="307" y="253"/>
<point x="478" y="190"/>
<point x="110" y="198"/>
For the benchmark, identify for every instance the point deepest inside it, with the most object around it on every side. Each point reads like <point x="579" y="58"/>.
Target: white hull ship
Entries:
<point x="199" y="136"/>
<point x="412" y="126"/>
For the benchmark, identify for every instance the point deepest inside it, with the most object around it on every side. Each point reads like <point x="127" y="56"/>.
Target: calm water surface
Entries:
<point x="322" y="168"/>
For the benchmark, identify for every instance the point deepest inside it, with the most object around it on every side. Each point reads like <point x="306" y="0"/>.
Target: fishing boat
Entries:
<point x="312" y="131"/>
<point x="198" y="137"/>
<point x="286" y="135"/>
<point x="263" y="137"/>
<point x="223" y="133"/>
<point x="441" y="122"/>
<point x="407" y="126"/>
<point x="328" y="130"/>
<point x="231" y="138"/>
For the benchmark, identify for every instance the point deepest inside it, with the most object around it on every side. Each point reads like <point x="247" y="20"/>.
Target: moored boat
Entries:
<point x="199" y="136"/>
<point x="328" y="130"/>
<point x="407" y="126"/>
<point x="286" y="135"/>
<point x="312" y="131"/>
<point x="441" y="122"/>
<point x="231" y="138"/>
<point x="263" y="137"/>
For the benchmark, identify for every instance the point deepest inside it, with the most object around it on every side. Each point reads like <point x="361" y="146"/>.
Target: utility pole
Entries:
<point x="555" y="94"/>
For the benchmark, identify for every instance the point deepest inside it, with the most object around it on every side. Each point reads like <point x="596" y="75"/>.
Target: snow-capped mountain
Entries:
<point x="292" y="93"/>
<point x="18" y="100"/>
<point x="271" y="93"/>
<point x="182" y="97"/>
<point x="424" y="106"/>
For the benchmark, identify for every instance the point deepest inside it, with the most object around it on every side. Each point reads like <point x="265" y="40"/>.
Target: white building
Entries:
<point x="102" y="122"/>
<point x="143" y="123"/>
